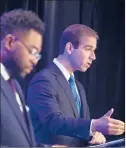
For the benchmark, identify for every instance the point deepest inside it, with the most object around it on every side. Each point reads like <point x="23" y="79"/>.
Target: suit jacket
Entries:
<point x="16" y="128"/>
<point x="53" y="110"/>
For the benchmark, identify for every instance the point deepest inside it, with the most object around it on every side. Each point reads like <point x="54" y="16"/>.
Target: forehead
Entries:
<point x="88" y="40"/>
<point x="32" y="38"/>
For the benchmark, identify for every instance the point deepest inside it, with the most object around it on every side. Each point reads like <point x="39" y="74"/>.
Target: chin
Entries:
<point x="83" y="69"/>
<point x="23" y="75"/>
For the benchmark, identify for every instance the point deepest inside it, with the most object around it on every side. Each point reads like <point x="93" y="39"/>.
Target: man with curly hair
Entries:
<point x="21" y="36"/>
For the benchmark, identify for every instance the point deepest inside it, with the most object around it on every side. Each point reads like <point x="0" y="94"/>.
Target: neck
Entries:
<point x="65" y="62"/>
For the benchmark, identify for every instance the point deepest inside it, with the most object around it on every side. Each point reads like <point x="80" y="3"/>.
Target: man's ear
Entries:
<point x="9" y="42"/>
<point x="69" y="48"/>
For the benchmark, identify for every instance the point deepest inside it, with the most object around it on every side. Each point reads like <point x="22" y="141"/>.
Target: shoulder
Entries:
<point x="49" y="73"/>
<point x="43" y="75"/>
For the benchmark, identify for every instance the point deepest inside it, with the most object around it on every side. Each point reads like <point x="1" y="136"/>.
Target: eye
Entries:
<point x="88" y="49"/>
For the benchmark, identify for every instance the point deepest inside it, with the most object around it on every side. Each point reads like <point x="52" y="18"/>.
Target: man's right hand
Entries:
<point x="107" y="125"/>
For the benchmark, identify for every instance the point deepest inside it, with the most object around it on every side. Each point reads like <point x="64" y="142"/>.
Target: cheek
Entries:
<point x="85" y="56"/>
<point x="77" y="59"/>
<point x="82" y="58"/>
<point x="21" y="57"/>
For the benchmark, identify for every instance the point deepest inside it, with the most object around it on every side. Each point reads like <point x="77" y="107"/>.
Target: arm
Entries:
<point x="106" y="124"/>
<point x="43" y="99"/>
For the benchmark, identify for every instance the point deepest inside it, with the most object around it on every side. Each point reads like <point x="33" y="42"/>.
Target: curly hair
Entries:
<point x="19" y="19"/>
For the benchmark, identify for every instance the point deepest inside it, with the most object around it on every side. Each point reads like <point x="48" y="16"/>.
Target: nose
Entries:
<point x="34" y="60"/>
<point x="93" y="56"/>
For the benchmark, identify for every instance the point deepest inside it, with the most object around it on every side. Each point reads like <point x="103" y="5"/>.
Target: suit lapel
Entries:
<point x="6" y="89"/>
<point x="64" y="84"/>
<point x="29" y="125"/>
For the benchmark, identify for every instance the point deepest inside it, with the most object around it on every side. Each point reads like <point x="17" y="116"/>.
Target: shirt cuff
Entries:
<point x="91" y="132"/>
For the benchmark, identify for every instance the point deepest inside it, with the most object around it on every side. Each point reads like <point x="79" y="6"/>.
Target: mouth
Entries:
<point x="89" y="64"/>
<point x="30" y="69"/>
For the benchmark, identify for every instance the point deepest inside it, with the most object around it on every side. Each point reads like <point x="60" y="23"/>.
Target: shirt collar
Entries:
<point x="63" y="69"/>
<point x="4" y="72"/>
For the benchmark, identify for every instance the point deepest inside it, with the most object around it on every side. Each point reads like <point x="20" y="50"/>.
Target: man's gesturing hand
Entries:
<point x="107" y="125"/>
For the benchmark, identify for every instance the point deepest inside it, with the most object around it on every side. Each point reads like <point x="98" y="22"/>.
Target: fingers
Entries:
<point x="116" y="127"/>
<point x="98" y="138"/>
<point x="109" y="113"/>
<point x="115" y="131"/>
<point x="117" y="122"/>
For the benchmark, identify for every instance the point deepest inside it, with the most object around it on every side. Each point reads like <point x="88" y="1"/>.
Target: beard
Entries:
<point x="13" y="68"/>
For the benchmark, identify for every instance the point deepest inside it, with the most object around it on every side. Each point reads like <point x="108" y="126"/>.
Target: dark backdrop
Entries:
<point x="104" y="81"/>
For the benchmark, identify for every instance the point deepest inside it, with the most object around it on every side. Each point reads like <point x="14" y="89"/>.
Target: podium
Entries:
<point x="114" y="143"/>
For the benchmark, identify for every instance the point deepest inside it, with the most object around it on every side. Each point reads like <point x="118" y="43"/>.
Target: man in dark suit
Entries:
<point x="21" y="39"/>
<point x="57" y="101"/>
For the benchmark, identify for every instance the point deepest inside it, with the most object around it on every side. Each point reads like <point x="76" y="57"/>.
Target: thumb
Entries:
<point x="109" y="113"/>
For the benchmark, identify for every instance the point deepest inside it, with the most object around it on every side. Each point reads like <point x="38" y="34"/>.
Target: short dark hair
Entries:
<point x="19" y="19"/>
<point x="73" y="34"/>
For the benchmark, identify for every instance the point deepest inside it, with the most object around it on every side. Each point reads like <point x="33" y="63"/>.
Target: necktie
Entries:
<point x="75" y="94"/>
<point x="12" y="83"/>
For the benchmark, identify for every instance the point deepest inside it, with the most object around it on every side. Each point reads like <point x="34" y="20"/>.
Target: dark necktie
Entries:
<point x="75" y="94"/>
<point x="13" y="86"/>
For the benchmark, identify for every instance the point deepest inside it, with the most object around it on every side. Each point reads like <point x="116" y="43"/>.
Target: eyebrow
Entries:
<point x="89" y="46"/>
<point x="38" y="49"/>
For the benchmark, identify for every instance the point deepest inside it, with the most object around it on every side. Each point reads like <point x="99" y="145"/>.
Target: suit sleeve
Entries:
<point x="42" y="98"/>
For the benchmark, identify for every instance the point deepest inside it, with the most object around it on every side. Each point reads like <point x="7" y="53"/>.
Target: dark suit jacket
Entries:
<point x="16" y="129"/>
<point x="53" y="110"/>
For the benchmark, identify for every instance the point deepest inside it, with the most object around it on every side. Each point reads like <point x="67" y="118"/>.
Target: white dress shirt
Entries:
<point x="65" y="72"/>
<point x="6" y="77"/>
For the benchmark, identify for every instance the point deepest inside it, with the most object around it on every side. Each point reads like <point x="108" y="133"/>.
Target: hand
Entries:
<point x="107" y="125"/>
<point x="98" y="138"/>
